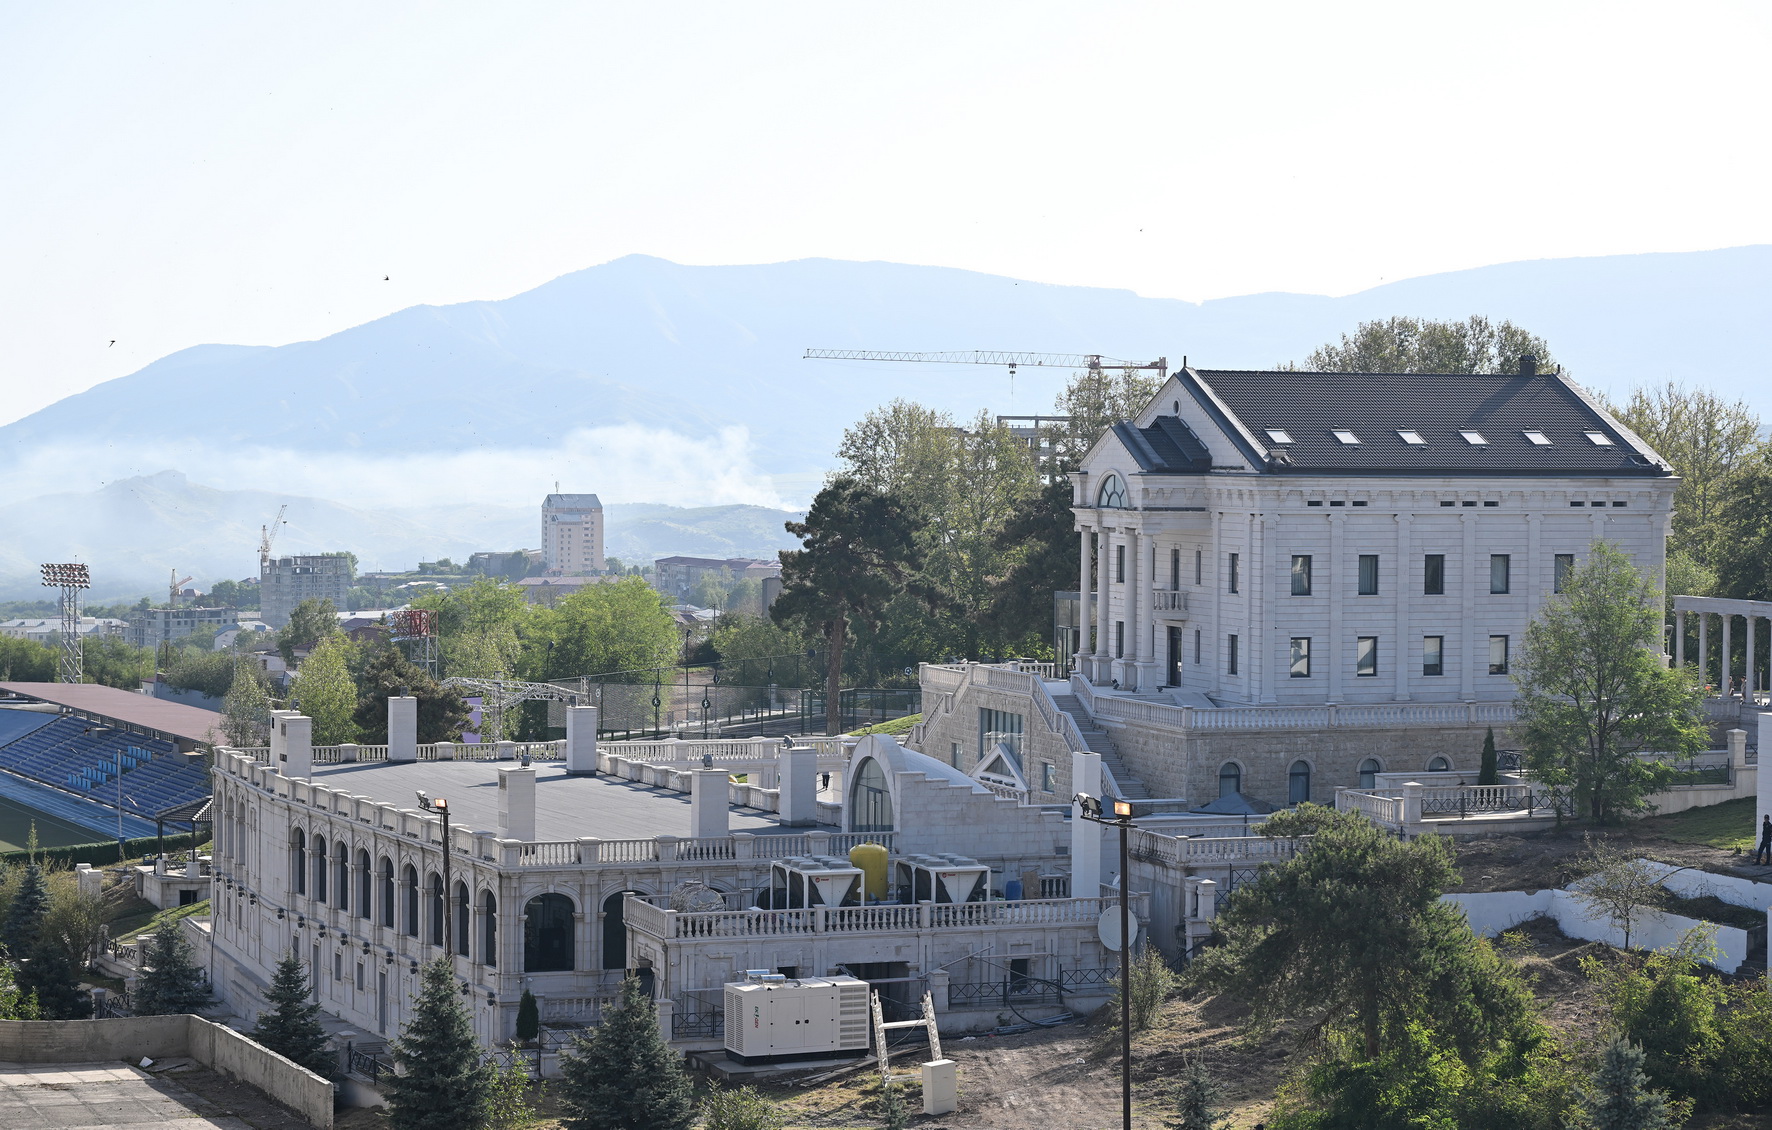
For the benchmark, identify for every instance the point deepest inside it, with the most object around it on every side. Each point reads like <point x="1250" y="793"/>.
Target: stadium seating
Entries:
<point x="83" y="758"/>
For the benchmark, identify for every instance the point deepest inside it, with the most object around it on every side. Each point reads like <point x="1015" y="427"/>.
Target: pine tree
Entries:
<point x="291" y="1027"/>
<point x="1619" y="1098"/>
<point x="172" y="983"/>
<point x="528" y="1017"/>
<point x="1489" y="774"/>
<point x="51" y="977"/>
<point x="1196" y="1101"/>
<point x="443" y="1085"/>
<point x="24" y="918"/>
<point x="625" y="1077"/>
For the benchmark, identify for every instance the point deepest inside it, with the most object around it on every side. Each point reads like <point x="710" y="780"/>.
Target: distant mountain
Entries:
<point x="668" y="350"/>
<point x="135" y="531"/>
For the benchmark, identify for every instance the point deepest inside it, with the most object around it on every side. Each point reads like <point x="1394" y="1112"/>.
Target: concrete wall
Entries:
<point x="1492" y="912"/>
<point x="131" y="1038"/>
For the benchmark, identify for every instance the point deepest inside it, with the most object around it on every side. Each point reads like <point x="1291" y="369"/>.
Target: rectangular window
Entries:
<point x="1119" y="564"/>
<point x="1498" y="570"/>
<point x="1301" y="574"/>
<point x="1301" y="657"/>
<point x="1433" y="655"/>
<point x="1560" y="574"/>
<point x="1048" y="777"/>
<point x="999" y="727"/>
<point x="1196" y="645"/>
<point x="1498" y="655"/>
<point x="954" y="754"/>
<point x="1433" y="574"/>
<point x="1119" y="639"/>
<point x="1368" y="574"/>
<point x="1231" y="666"/>
<point x="1175" y="569"/>
<point x="1199" y="566"/>
<point x="1233" y="572"/>
<point x="1366" y="657"/>
<point x="359" y="976"/>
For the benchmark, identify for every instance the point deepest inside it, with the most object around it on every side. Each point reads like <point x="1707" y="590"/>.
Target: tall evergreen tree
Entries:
<point x="50" y="975"/>
<point x="443" y="1085"/>
<point x="291" y="1027"/>
<point x="172" y="983"/>
<point x="1489" y="773"/>
<point x="24" y="918"/>
<point x="1619" y="1097"/>
<point x="528" y="1017"/>
<point x="625" y="1077"/>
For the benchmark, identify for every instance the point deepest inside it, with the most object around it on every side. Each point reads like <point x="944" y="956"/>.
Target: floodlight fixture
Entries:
<point x="1091" y="805"/>
<point x="68" y="575"/>
<point x="1123" y="809"/>
<point x="441" y="804"/>
<point x="424" y="800"/>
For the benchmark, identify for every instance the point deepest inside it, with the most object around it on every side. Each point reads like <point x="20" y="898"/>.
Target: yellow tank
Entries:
<point x="871" y="858"/>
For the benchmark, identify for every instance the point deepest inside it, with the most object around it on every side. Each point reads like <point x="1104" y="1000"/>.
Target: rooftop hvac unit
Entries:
<point x="769" y="1017"/>
<point x="942" y="879"/>
<point x="813" y="880"/>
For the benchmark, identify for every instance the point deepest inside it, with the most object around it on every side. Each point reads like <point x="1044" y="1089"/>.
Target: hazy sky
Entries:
<point x="180" y="173"/>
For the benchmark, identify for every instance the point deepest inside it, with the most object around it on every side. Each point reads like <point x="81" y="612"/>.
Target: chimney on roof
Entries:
<point x="1528" y="365"/>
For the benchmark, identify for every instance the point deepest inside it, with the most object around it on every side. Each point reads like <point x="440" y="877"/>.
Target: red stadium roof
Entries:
<point x="190" y="724"/>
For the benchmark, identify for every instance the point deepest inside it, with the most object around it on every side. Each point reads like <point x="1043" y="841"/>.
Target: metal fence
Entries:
<point x="733" y="710"/>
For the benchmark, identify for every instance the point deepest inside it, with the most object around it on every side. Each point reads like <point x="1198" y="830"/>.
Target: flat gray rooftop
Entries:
<point x="566" y="808"/>
<point x="111" y="1096"/>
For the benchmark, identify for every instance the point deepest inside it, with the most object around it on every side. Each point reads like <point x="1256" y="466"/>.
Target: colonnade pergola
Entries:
<point x="1720" y="675"/>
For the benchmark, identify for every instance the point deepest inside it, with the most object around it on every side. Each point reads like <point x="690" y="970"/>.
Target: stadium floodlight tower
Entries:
<point x="70" y="578"/>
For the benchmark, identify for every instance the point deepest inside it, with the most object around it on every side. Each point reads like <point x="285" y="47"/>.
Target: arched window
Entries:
<point x="434" y="904"/>
<point x="1298" y="783"/>
<point x="365" y="892"/>
<point x="298" y="861"/>
<point x="1369" y="771"/>
<point x="1230" y="778"/>
<point x="615" y="930"/>
<point x="341" y="876"/>
<point x="547" y="934"/>
<point x="464" y="918"/>
<point x="1113" y="493"/>
<point x="386" y="876"/>
<point x="488" y="930"/>
<point x="1439" y="765"/>
<point x="320" y="868"/>
<point x="409" y="880"/>
<point x="869" y="800"/>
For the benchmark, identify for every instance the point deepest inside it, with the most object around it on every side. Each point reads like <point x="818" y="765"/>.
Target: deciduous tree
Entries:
<point x="1708" y="440"/>
<point x="246" y="710"/>
<point x="1423" y="345"/>
<point x="1594" y="693"/>
<point x="309" y="622"/>
<point x="441" y="711"/>
<point x="327" y="693"/>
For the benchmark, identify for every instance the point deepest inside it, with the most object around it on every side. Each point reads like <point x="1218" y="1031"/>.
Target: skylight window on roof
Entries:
<point x="1534" y="436"/>
<point x="1475" y="439"/>
<point x="1410" y="435"/>
<point x="1345" y="436"/>
<point x="1600" y="439"/>
<point x="1279" y="435"/>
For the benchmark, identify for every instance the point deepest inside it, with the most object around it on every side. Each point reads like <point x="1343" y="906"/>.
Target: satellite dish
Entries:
<point x="1107" y="928"/>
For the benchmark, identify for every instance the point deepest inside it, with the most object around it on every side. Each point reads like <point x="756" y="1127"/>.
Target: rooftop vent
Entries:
<point x="1528" y="365"/>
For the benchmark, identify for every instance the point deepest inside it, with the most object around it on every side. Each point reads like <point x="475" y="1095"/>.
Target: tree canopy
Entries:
<point x="1423" y="345"/>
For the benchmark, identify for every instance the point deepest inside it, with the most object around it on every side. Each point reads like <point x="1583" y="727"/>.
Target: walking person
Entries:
<point x="1764" y="855"/>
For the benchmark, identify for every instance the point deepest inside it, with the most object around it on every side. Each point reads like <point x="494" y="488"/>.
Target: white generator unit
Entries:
<point x="943" y="879"/>
<point x="813" y="880"/>
<point x="769" y="1017"/>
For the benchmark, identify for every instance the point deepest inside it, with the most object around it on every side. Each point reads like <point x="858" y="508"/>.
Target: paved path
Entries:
<point x="102" y="1096"/>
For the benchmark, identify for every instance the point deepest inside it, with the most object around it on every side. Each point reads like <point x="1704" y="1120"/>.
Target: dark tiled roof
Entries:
<point x="1167" y="447"/>
<point x="1375" y="406"/>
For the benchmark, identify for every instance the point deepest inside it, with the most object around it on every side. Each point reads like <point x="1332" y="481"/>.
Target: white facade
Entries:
<point x="572" y="534"/>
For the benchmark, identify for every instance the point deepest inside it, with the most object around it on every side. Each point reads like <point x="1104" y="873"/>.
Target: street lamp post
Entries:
<point x="1090" y="807"/>
<point x="440" y="805"/>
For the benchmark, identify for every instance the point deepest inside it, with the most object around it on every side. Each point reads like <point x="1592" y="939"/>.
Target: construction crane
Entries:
<point x="172" y="592"/>
<point x="1093" y="362"/>
<point x="267" y="535"/>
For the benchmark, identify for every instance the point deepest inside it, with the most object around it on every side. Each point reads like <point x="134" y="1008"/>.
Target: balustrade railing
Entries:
<point x="879" y="918"/>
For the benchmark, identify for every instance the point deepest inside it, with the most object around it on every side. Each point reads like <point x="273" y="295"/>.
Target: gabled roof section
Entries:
<point x="1167" y="447"/>
<point x="1375" y="407"/>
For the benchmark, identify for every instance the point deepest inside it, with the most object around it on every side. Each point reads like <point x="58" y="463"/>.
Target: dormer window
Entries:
<point x="1411" y="436"/>
<point x="1599" y="439"/>
<point x="1113" y="493"/>
<point x="1536" y="437"/>
<point x="1475" y="439"/>
<point x="1345" y="436"/>
<point x="1279" y="435"/>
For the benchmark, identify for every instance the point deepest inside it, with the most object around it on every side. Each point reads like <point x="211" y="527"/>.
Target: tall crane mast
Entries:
<point x="172" y="589"/>
<point x="1093" y="362"/>
<point x="267" y="535"/>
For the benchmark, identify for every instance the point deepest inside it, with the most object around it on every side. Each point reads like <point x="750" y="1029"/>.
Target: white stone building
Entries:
<point x="1298" y="580"/>
<point x="572" y="534"/>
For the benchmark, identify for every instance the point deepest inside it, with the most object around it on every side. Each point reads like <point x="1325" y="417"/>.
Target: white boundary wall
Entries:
<point x="1492" y="912"/>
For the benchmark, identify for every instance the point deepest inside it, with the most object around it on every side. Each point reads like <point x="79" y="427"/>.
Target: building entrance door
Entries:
<point x="1174" y="656"/>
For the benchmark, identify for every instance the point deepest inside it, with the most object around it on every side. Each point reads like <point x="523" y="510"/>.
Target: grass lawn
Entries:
<point x="895" y="727"/>
<point x="1727" y="825"/>
<point x="52" y="831"/>
<point x="146" y="921"/>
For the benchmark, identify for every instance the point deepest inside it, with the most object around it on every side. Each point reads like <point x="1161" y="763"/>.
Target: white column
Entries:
<point x="1679" y="637"/>
<point x="1104" y="580"/>
<point x="1404" y="656"/>
<point x="1474" y="656"/>
<point x="1260" y="594"/>
<point x="1085" y="601"/>
<point x="1703" y="648"/>
<point x="1748" y="683"/>
<point x="1085" y="835"/>
<point x="1331" y="582"/>
<point x="1126" y="669"/>
<point x="1726" y="661"/>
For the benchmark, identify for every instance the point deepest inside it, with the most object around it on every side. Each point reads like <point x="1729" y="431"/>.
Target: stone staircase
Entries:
<point x="1098" y="741"/>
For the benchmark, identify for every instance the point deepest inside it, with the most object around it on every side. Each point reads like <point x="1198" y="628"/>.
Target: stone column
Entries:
<point x="1704" y="648"/>
<point x="1085" y="834"/>
<point x="1747" y="685"/>
<point x="402" y="728"/>
<point x="1085" y="603"/>
<point x="1149" y="674"/>
<point x="1474" y="656"/>
<point x="1726" y="661"/>
<point x="1126" y="669"/>
<point x="1104" y="579"/>
<point x="1680" y="637"/>
<point x="1327" y="661"/>
<point x="1405" y="659"/>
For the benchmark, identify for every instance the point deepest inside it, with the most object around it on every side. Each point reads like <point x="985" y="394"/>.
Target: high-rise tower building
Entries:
<point x="572" y="534"/>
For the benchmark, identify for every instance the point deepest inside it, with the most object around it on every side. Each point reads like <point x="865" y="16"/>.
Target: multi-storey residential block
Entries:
<point x="572" y="534"/>
<point x="151" y="627"/>
<point x="284" y="582"/>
